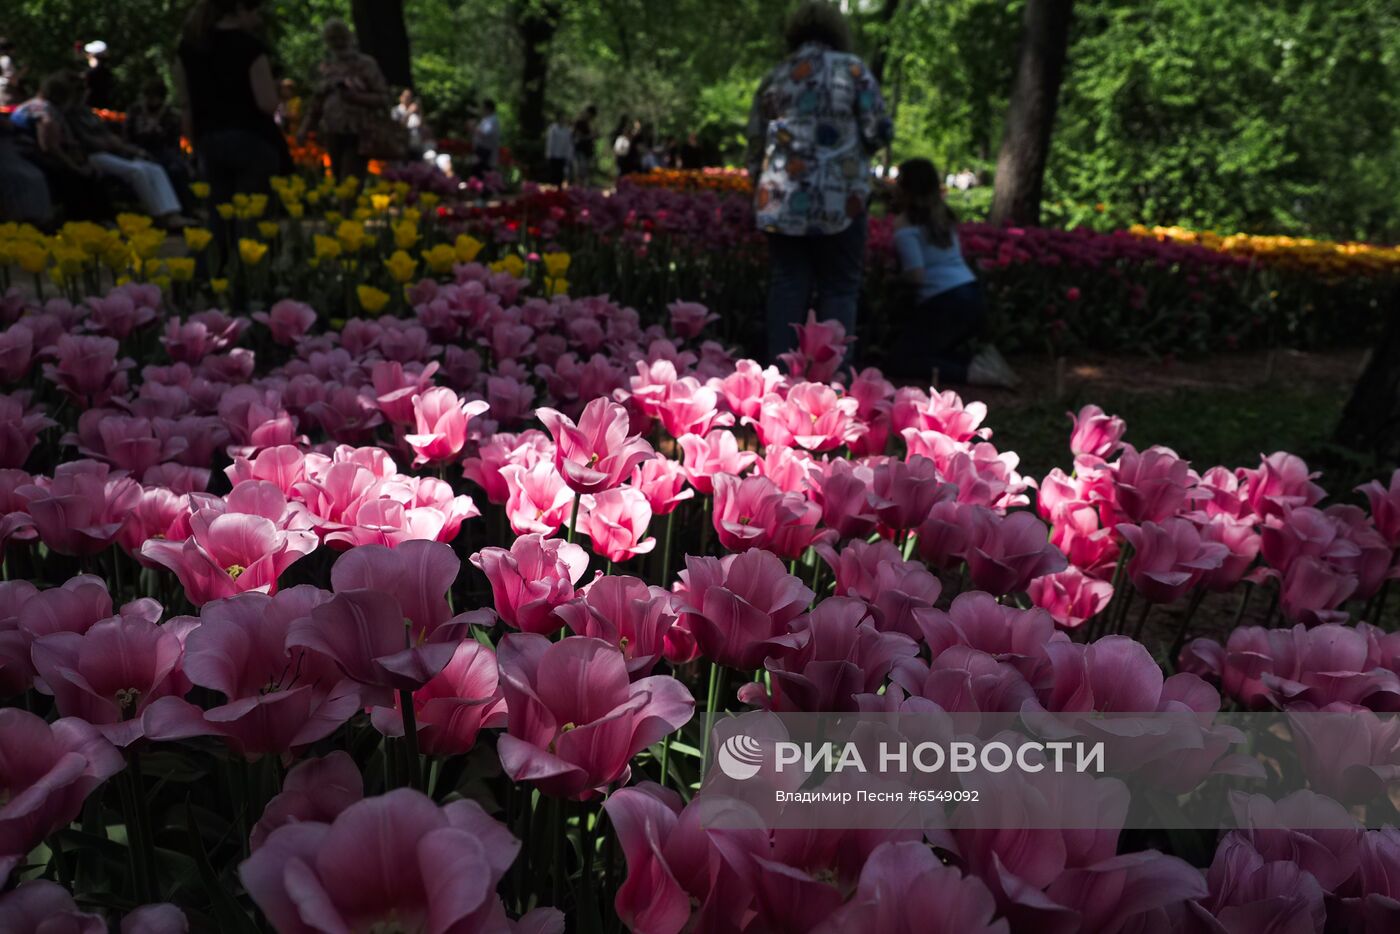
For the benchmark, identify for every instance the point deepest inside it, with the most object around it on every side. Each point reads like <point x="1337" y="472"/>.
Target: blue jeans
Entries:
<point x="831" y="265"/>
<point x="937" y="335"/>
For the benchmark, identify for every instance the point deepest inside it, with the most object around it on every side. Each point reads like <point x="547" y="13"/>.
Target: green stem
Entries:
<point x="410" y="736"/>
<point x="573" y="518"/>
<point x="711" y="698"/>
<point x="666" y="548"/>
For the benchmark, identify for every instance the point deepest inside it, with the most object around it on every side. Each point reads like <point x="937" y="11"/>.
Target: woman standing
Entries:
<point x="816" y="120"/>
<point x="351" y="96"/>
<point x="228" y="97"/>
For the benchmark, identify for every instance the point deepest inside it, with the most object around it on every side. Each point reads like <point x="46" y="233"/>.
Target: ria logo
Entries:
<point x="740" y="757"/>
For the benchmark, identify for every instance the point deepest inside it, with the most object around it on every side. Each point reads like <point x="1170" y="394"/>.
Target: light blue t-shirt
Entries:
<point x="944" y="267"/>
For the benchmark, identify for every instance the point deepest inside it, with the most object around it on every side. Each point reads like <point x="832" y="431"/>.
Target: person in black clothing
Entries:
<point x="228" y="97"/>
<point x="154" y="126"/>
<point x="585" y="145"/>
<point x="101" y="83"/>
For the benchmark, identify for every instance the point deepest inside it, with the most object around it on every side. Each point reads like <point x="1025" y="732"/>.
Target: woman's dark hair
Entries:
<point x="919" y="197"/>
<point x="817" y="21"/>
<point x="207" y="13"/>
<point x="59" y="88"/>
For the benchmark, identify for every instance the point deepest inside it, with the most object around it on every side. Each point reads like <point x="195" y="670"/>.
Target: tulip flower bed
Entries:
<point x="1051" y="291"/>
<point x="407" y="616"/>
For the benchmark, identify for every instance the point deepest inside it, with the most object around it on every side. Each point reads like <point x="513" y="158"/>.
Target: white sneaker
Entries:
<point x="982" y="370"/>
<point x="999" y="364"/>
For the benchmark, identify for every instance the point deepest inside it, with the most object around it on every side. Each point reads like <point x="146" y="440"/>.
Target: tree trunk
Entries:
<point x="383" y="36"/>
<point x="1370" y="423"/>
<point x="1035" y="93"/>
<point x="536" y="24"/>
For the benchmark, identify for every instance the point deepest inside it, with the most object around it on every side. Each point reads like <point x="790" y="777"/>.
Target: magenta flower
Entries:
<point x="1281" y="483"/>
<point x="276" y="699"/>
<point x="87" y="369"/>
<point x="1385" y="507"/>
<point x="1312" y="590"/>
<point x="288" y="320"/>
<point x="229" y="553"/>
<point x="1152" y="485"/>
<point x="1095" y="433"/>
<point x="1004" y="554"/>
<point x="681" y="863"/>
<point x="903" y="885"/>
<point x="1070" y="596"/>
<point x="396" y="387"/>
<point x="576" y="719"/>
<point x="688" y="319"/>
<point x="130" y="444"/>
<point x="821" y="349"/>
<point x="531" y="579"/>
<point x="615" y="521"/>
<point x="740" y="607"/>
<point x="109" y="675"/>
<point x="40" y="906"/>
<point x="1169" y="558"/>
<point x="880" y="576"/>
<point x="812" y="416"/>
<point x="81" y="510"/>
<point x="46" y="773"/>
<point x="511" y="400"/>
<point x="314" y="790"/>
<point x="539" y="501"/>
<point x="844" y="492"/>
<point x="687" y="407"/>
<point x="745" y="389"/>
<point x="839" y="654"/>
<point x="19" y="428"/>
<point x="440" y="420"/>
<point x="715" y="453"/>
<point x="1249" y="893"/>
<point x="500" y="451"/>
<point x="625" y="612"/>
<point x="903" y="492"/>
<point x="663" y="482"/>
<point x="750" y="512"/>
<point x="456" y="705"/>
<point x="975" y="619"/>
<point x="599" y="452"/>
<point x="396" y="860"/>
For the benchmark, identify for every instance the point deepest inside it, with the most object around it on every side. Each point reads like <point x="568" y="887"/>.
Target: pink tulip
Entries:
<point x="846" y="496"/>
<point x="531" y="579"/>
<point x="715" y="453"/>
<point x="904" y="885"/>
<point x="576" y="719"/>
<point x="46" y="773"/>
<point x="1312" y="590"/>
<point x="257" y="419"/>
<point x="740" y="607"/>
<point x="88" y="369"/>
<point x="40" y="907"/>
<point x="839" y="654"/>
<point x="510" y="399"/>
<point x="130" y="444"/>
<point x="229" y="553"/>
<point x="525" y="449"/>
<point x="314" y="790"/>
<point x="288" y="320"/>
<point x="821" y="349"/>
<point x="1005" y="554"/>
<point x="1287" y="537"/>
<point x="1169" y="558"/>
<point x="110" y="674"/>
<point x="1095" y="433"/>
<point x="880" y="576"/>
<point x="626" y="613"/>
<point x="16" y="352"/>
<point x="398" y="859"/>
<point x="903" y="492"/>
<point x="1385" y="507"/>
<point x="596" y="454"/>
<point x="539" y="501"/>
<point x="1241" y="542"/>
<point x="81" y="510"/>
<point x="451" y="709"/>
<point x="943" y="537"/>
<point x="662" y="481"/>
<point x="684" y="862"/>
<point x="1152" y="485"/>
<point x="615" y="521"/>
<point x="1248" y="893"/>
<point x="19" y="428"/>
<point x="812" y="416"/>
<point x="745" y="389"/>
<point x="1070" y="597"/>
<point x="1281" y="483"/>
<point x="441" y="425"/>
<point x="205" y="333"/>
<point x="975" y="619"/>
<point x="396" y="387"/>
<point x="942" y="412"/>
<point x="688" y="319"/>
<point x="687" y="407"/>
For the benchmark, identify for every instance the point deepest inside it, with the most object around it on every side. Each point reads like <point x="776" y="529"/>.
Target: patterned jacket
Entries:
<point x="816" y="120"/>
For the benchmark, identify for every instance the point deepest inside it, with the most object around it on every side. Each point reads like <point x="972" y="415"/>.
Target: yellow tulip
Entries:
<point x="556" y="264"/>
<point x="412" y="214"/>
<point x="251" y="251"/>
<point x="313" y="197"/>
<point x="428" y="200"/>
<point x="147" y="243"/>
<point x="467" y="247"/>
<point x="381" y="202"/>
<point x="326" y="247"/>
<point x="269" y="229"/>
<point x="371" y="299"/>
<point x="32" y="257"/>
<point x="405" y="235"/>
<point x="511" y="264"/>
<point x="401" y="266"/>
<point x="181" y="268"/>
<point x="224" y="210"/>
<point x="556" y="286"/>
<point x="197" y="238"/>
<point x="132" y="223"/>
<point x="295" y="209"/>
<point x="351" y="235"/>
<point x="219" y="286"/>
<point x="199" y="189"/>
<point x="440" y="258"/>
<point x="161" y="282"/>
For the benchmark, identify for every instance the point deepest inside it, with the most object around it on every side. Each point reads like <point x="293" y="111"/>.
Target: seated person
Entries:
<point x="45" y="140"/>
<point x="24" y="195"/>
<point x="152" y="125"/>
<point x="938" y="334"/>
